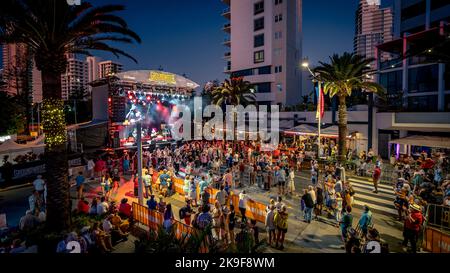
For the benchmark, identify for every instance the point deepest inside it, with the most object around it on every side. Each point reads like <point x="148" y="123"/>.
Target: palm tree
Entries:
<point x="52" y="29"/>
<point x="234" y="91"/>
<point x="344" y="74"/>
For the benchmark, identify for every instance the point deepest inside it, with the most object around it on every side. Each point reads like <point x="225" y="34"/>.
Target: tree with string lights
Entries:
<point x="52" y="29"/>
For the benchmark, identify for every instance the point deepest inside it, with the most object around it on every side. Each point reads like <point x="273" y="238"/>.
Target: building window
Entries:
<point x="280" y="87"/>
<point x="264" y="70"/>
<point x="259" y="7"/>
<point x="278" y="18"/>
<point x="242" y="73"/>
<point x="392" y="81"/>
<point x="278" y="35"/>
<point x="259" y="24"/>
<point x="423" y="79"/>
<point x="277" y="51"/>
<point x="413" y="10"/>
<point x="278" y="69"/>
<point x="259" y="40"/>
<point x="264" y="87"/>
<point x="435" y="4"/>
<point x="422" y="103"/>
<point x="259" y="56"/>
<point x="277" y="2"/>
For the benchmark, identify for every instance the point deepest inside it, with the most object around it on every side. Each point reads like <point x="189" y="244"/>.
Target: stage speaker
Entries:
<point x="116" y="139"/>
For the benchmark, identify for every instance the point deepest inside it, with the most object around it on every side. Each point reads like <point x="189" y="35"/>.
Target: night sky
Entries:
<point x="185" y="36"/>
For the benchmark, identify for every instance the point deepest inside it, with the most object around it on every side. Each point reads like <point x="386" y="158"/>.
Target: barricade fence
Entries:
<point x="436" y="233"/>
<point x="154" y="219"/>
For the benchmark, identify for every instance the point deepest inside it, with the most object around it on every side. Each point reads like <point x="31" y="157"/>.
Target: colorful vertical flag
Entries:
<point x="320" y="102"/>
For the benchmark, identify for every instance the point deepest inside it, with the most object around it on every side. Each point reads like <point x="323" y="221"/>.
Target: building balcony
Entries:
<point x="227" y="69"/>
<point x="227" y="55"/>
<point x="227" y="27"/>
<point x="227" y="13"/>
<point x="227" y="42"/>
<point x="414" y="121"/>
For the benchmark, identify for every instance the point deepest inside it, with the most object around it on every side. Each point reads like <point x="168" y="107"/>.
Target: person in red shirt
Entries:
<point x="83" y="206"/>
<point x="413" y="223"/>
<point x="125" y="208"/>
<point x="376" y="178"/>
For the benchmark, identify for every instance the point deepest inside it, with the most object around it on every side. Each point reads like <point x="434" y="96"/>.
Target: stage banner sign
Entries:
<point x="164" y="78"/>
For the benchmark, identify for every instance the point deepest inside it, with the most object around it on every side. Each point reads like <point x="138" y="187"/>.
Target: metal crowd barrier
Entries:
<point x="436" y="232"/>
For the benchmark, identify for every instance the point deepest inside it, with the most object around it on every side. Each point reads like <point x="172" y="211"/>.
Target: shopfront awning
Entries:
<point x="426" y="141"/>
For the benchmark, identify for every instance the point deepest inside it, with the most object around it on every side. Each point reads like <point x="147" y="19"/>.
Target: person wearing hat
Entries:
<point x="413" y="223"/>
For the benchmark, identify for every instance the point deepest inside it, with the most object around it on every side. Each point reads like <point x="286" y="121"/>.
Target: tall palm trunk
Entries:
<point x="342" y="124"/>
<point x="58" y="189"/>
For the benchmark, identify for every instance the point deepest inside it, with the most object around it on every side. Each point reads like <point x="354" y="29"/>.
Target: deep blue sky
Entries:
<point x="185" y="36"/>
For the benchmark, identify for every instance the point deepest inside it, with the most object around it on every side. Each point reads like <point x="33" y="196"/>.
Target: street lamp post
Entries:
<point x="139" y="160"/>
<point x="305" y="64"/>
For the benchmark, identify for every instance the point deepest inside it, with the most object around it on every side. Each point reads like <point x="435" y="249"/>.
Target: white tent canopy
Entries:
<point x="13" y="149"/>
<point x="10" y="145"/>
<point x="302" y="129"/>
<point x="332" y="131"/>
<point x="427" y="141"/>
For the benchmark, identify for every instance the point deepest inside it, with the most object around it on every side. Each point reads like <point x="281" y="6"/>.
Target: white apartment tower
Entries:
<point x="108" y="68"/>
<point x="374" y="26"/>
<point x="75" y="78"/>
<point x="92" y="63"/>
<point x="264" y="41"/>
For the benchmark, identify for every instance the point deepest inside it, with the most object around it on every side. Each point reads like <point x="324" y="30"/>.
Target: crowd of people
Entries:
<point x="233" y="167"/>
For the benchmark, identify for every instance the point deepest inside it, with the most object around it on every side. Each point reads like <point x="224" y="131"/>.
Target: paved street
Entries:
<point x="318" y="236"/>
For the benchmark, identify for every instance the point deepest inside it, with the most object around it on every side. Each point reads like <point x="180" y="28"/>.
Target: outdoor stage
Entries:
<point x="144" y="97"/>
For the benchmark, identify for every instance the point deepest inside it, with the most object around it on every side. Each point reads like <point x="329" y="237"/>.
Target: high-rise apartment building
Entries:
<point x="92" y="63"/>
<point x="20" y="72"/>
<point x="374" y="26"/>
<point x="108" y="68"/>
<point x="76" y="77"/>
<point x="418" y="88"/>
<point x="264" y="41"/>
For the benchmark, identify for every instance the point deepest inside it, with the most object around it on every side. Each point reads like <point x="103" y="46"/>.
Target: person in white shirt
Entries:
<point x="312" y="193"/>
<point x="243" y="199"/>
<point x="90" y="168"/>
<point x="38" y="184"/>
<point x="291" y="180"/>
<point x="102" y="207"/>
<point x="270" y="224"/>
<point x="279" y="204"/>
<point x="107" y="226"/>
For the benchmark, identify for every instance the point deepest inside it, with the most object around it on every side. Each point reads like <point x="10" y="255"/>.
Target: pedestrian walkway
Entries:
<point x="381" y="202"/>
